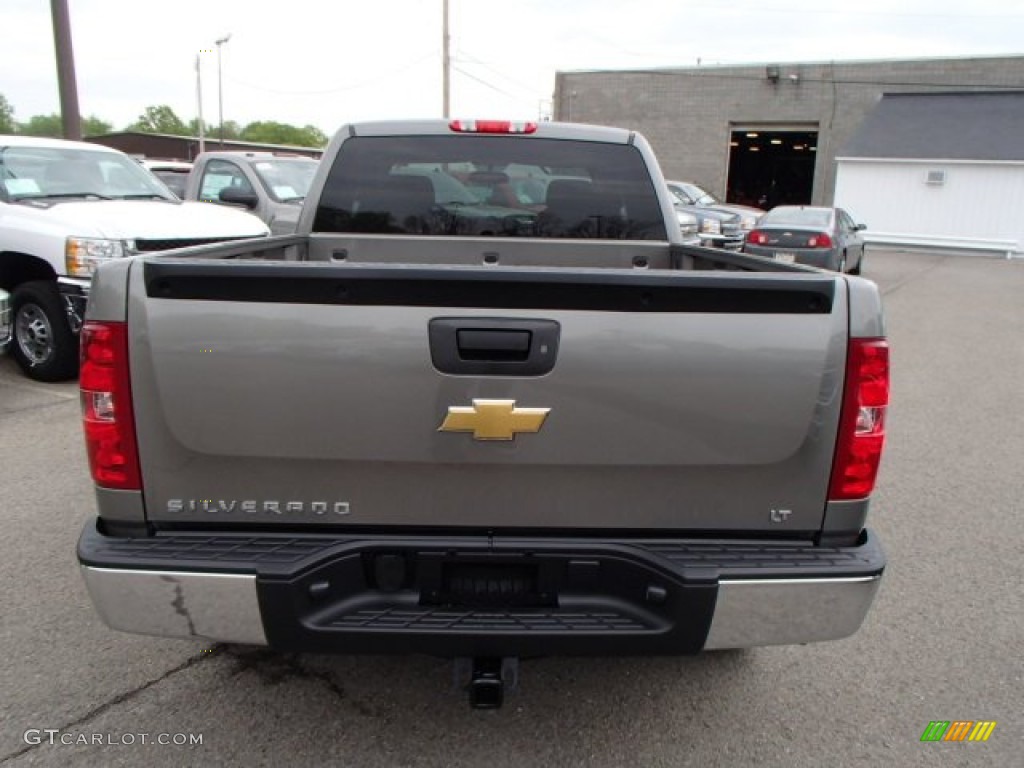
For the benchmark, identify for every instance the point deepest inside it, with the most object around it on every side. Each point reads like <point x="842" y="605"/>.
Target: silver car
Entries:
<point x="723" y="225"/>
<point x="820" y="237"/>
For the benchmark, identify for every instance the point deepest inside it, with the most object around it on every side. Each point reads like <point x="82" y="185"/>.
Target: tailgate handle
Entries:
<point x="493" y="346"/>
<point x="482" y="344"/>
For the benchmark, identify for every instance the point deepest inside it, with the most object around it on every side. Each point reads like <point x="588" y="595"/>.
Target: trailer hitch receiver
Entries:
<point x="488" y="678"/>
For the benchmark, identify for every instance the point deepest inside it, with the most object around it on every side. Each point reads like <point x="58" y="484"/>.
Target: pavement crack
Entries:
<point x="273" y="668"/>
<point x="111" y="703"/>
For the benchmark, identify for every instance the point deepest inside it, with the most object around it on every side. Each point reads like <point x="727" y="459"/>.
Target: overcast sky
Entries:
<point x="326" y="63"/>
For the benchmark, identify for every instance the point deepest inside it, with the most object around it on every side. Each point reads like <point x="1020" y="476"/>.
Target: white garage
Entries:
<point x="941" y="170"/>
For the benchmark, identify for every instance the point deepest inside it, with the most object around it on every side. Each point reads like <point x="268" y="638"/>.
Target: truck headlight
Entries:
<point x="711" y="226"/>
<point x="687" y="223"/>
<point x="83" y="254"/>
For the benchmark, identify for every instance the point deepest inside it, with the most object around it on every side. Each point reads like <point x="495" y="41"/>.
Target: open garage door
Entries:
<point x="771" y="166"/>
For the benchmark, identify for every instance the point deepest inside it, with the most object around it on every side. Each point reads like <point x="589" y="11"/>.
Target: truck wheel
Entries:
<point x="860" y="263"/>
<point x="43" y="343"/>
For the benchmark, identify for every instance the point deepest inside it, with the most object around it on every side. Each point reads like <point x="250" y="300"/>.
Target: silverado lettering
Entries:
<point x="177" y="506"/>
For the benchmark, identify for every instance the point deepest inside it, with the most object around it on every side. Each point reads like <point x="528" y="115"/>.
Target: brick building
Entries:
<point x="767" y="133"/>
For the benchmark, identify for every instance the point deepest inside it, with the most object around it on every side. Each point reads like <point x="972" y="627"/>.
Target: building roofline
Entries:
<point x="207" y="140"/>
<point x="820" y="63"/>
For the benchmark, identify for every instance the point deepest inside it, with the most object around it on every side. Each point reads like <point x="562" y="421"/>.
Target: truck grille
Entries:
<point x="147" y="246"/>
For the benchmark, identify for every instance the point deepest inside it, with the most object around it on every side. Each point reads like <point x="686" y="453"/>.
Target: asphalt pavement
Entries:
<point x="942" y="642"/>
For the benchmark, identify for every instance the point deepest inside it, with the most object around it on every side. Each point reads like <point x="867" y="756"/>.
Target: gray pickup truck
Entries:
<point x="480" y="427"/>
<point x="268" y="185"/>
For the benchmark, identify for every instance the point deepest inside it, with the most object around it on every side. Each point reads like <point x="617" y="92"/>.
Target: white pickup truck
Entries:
<point x="66" y="207"/>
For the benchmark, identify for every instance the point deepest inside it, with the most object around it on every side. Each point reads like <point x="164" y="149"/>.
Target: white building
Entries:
<point x="938" y="170"/>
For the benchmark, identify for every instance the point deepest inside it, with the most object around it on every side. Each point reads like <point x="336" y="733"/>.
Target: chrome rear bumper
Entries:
<point x="786" y="611"/>
<point x="330" y="594"/>
<point x="225" y="608"/>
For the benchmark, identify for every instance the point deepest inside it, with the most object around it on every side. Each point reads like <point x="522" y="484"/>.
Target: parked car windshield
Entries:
<point x="490" y="186"/>
<point x="176" y="180"/>
<point x="40" y="173"/>
<point x="818" y="218"/>
<point x="287" y="179"/>
<point x="693" y="192"/>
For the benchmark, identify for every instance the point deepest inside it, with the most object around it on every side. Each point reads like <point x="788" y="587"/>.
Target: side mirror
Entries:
<point x="237" y="196"/>
<point x="859" y="227"/>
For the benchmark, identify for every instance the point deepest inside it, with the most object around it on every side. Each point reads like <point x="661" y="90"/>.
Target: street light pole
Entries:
<point x="220" y="89"/>
<point x="199" y="105"/>
<point x="71" y="120"/>
<point x="446" y="65"/>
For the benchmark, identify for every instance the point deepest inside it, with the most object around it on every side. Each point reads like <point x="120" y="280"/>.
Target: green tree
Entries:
<point x="231" y="129"/>
<point x="7" y="124"/>
<point x="160" y="119"/>
<point x="271" y="132"/>
<point x="43" y="125"/>
<point x="93" y="126"/>
<point x="53" y="127"/>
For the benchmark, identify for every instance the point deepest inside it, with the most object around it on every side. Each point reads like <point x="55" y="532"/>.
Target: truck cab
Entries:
<point x="270" y="185"/>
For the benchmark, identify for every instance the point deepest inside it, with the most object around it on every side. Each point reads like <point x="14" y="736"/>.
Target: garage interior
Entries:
<point x="769" y="167"/>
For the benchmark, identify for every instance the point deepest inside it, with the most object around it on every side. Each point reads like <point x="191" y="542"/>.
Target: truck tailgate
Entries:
<point x="315" y="394"/>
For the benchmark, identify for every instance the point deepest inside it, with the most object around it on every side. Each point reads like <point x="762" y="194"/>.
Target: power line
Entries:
<point x="340" y="88"/>
<point x="484" y="82"/>
<point x="499" y="73"/>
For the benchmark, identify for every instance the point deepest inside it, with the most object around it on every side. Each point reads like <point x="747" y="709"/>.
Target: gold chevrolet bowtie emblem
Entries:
<point x="493" y="419"/>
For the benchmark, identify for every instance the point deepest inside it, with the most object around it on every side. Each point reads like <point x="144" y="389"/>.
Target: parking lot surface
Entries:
<point x="941" y="643"/>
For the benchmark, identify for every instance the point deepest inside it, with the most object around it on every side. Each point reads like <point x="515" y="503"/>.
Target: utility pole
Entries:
<point x="220" y="89"/>
<point x="71" y="119"/>
<point x="199" y="105"/>
<point x="446" y="63"/>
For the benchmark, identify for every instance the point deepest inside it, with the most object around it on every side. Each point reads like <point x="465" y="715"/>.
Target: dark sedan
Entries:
<point x="820" y="237"/>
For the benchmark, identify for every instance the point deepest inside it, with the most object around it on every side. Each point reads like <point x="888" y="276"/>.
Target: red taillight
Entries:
<point x="491" y="126"/>
<point x="821" y="240"/>
<point x="107" y="406"/>
<point x="757" y="237"/>
<point x="862" y="423"/>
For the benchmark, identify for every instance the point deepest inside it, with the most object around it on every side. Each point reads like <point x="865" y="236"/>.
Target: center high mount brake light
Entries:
<point x="491" y="126"/>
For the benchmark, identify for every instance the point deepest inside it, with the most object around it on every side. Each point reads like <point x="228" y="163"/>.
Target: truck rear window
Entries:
<point x="498" y="186"/>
